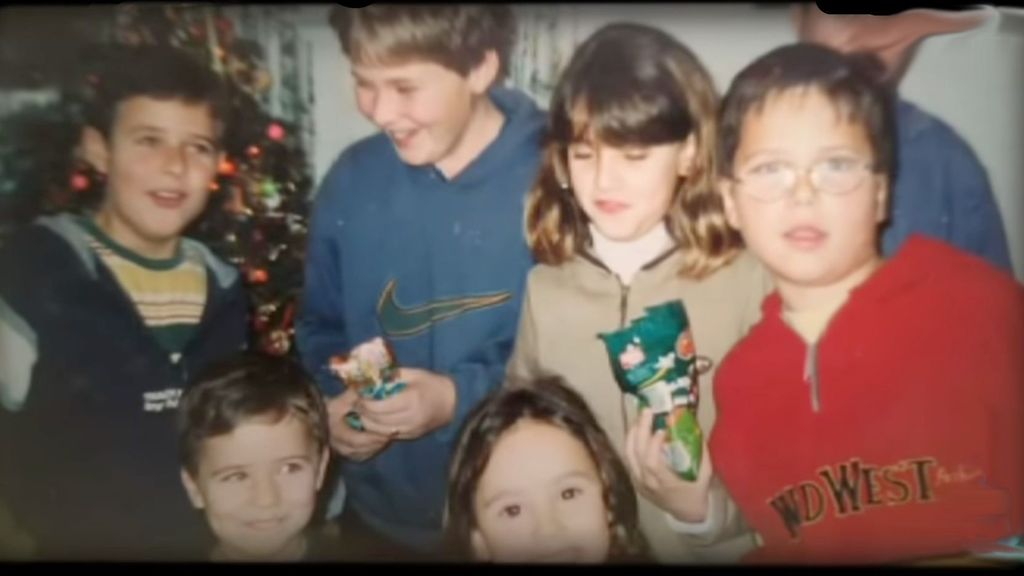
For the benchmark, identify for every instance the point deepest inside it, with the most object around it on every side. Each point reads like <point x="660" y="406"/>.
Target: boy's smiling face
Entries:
<point x="806" y="238"/>
<point x="258" y="486"/>
<point x="159" y="159"/>
<point x="425" y="109"/>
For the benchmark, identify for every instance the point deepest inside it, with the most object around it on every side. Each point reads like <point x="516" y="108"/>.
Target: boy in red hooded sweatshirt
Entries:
<point x="876" y="413"/>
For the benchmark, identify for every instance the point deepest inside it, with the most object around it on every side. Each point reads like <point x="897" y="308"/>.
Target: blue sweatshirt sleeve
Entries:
<point x="320" y="330"/>
<point x="484" y="370"/>
<point x="976" y="223"/>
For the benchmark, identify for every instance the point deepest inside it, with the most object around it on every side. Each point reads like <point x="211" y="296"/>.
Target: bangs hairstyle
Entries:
<point x="247" y="386"/>
<point x="454" y="36"/>
<point x="632" y="85"/>
<point x="854" y="83"/>
<point x="548" y="401"/>
<point x="158" y="72"/>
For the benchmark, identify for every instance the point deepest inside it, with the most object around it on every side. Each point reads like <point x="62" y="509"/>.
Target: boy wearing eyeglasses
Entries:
<point x="876" y="413"/>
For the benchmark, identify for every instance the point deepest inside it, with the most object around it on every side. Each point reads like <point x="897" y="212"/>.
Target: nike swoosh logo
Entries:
<point x="398" y="321"/>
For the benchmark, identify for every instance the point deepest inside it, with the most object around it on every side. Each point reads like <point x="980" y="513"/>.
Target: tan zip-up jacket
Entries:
<point x="567" y="306"/>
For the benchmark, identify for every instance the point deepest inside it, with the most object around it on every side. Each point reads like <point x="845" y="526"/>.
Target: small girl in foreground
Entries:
<point x="534" y="478"/>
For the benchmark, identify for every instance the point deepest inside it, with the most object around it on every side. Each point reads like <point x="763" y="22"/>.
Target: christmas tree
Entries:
<point x="256" y="215"/>
<point x="40" y="106"/>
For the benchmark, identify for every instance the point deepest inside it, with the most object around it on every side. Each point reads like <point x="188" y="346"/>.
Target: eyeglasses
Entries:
<point x="770" y="181"/>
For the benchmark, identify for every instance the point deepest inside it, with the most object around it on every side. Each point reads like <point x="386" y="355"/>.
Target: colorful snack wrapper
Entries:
<point x="654" y="359"/>
<point x="370" y="368"/>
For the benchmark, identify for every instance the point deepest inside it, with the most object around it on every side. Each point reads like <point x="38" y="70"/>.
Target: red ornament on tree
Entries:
<point x="227" y="168"/>
<point x="258" y="276"/>
<point x="79" y="182"/>
<point x="253" y="151"/>
<point x="275" y="132"/>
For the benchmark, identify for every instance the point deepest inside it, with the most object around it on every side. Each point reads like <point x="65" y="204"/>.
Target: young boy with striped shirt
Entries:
<point x="103" y="318"/>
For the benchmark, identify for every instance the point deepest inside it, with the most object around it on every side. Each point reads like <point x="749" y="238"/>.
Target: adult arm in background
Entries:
<point x="975" y="221"/>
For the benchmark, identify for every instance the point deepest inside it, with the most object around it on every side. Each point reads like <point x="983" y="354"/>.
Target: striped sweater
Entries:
<point x="169" y="294"/>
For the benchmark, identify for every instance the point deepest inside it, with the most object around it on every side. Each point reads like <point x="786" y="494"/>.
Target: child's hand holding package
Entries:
<point x="369" y="369"/>
<point x="427" y="403"/>
<point x="352" y="444"/>
<point x="656" y="481"/>
<point x="654" y="359"/>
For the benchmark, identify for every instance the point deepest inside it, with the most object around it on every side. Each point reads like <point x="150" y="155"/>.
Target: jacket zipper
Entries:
<point x="623" y="289"/>
<point x="624" y="298"/>
<point x="215" y="302"/>
<point x="811" y="375"/>
<point x="623" y="302"/>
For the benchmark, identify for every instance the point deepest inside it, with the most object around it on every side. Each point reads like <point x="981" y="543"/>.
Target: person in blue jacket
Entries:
<point x="940" y="189"/>
<point x="104" y="317"/>
<point x="417" y="236"/>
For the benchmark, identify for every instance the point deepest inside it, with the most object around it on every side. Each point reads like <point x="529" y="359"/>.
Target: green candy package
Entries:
<point x="654" y="359"/>
<point x="371" y="369"/>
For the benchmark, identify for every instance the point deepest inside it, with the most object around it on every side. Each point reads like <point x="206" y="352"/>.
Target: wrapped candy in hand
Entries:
<point x="369" y="368"/>
<point x="654" y="359"/>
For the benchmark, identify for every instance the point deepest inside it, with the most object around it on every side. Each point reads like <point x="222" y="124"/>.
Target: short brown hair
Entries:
<point x="159" y="72"/>
<point x="246" y="386"/>
<point x="854" y="83"/>
<point x="550" y="401"/>
<point x="456" y="36"/>
<point x="630" y="84"/>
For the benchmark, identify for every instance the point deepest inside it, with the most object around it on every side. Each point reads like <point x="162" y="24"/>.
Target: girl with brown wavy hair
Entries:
<point x="625" y="215"/>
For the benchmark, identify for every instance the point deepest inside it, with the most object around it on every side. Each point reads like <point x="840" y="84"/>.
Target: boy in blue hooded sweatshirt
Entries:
<point x="417" y="237"/>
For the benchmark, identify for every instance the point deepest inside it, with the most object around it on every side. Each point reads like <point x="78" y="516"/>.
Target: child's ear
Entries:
<point x="485" y="73"/>
<point x="93" y="149"/>
<point x="194" y="494"/>
<point x="479" y="545"/>
<point x="727" y="189"/>
<point x="325" y="458"/>
<point x="687" y="153"/>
